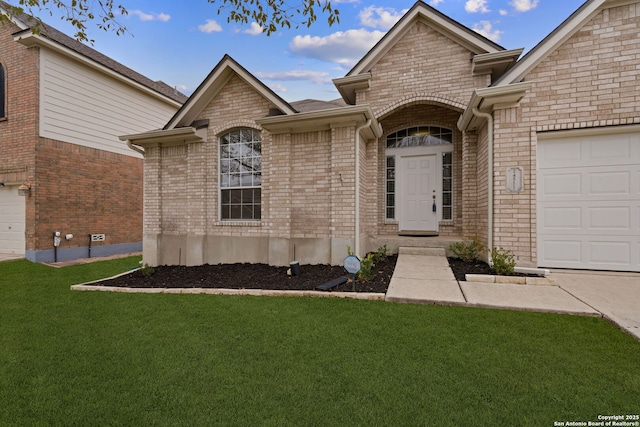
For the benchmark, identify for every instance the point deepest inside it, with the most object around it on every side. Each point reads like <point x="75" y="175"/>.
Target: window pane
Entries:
<point x="240" y="174"/>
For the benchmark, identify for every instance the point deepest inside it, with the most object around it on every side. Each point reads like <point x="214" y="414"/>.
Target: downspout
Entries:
<point x="357" y="189"/>
<point x="489" y="118"/>
<point x="134" y="148"/>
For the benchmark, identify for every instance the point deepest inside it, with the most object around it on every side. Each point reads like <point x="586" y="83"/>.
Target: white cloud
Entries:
<point x="485" y="28"/>
<point x="150" y="16"/>
<point x="380" y="17"/>
<point x="503" y="12"/>
<point x="346" y="1"/>
<point x="474" y="6"/>
<point x="524" y="5"/>
<point x="435" y="2"/>
<point x="318" y="77"/>
<point x="343" y="47"/>
<point x="277" y="87"/>
<point x="255" y="29"/>
<point x="211" y="26"/>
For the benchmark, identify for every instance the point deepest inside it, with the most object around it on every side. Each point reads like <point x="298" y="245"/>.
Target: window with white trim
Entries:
<point x="420" y="136"/>
<point x="241" y="175"/>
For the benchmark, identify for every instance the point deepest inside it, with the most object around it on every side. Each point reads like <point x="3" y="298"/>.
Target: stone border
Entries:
<point x="222" y="291"/>
<point x="514" y="280"/>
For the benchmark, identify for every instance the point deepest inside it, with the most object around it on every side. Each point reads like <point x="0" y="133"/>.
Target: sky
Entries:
<point x="180" y="42"/>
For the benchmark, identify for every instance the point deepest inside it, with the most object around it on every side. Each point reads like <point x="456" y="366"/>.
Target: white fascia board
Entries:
<point x="554" y="40"/>
<point x="490" y="99"/>
<point x="324" y="119"/>
<point x="178" y="136"/>
<point x="30" y="40"/>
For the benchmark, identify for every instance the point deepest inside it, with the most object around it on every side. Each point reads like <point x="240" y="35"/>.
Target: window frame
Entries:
<point x="241" y="179"/>
<point x="3" y="92"/>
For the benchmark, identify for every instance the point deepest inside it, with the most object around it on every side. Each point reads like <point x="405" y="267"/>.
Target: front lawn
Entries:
<point x="100" y="358"/>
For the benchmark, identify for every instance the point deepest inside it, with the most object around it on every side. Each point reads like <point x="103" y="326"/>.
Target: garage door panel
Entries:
<point x="12" y="221"/>
<point x="609" y="183"/>
<point x="610" y="218"/>
<point x="609" y="253"/>
<point x="561" y="218"/>
<point x="561" y="185"/>
<point x="589" y="202"/>
<point x="562" y="251"/>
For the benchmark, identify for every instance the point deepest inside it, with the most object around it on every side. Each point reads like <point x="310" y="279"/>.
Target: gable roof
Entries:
<point x="421" y="11"/>
<point x="59" y="41"/>
<point x="214" y="83"/>
<point x="556" y="38"/>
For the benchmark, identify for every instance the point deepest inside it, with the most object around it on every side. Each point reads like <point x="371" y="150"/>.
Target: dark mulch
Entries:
<point x="255" y="276"/>
<point x="262" y="276"/>
<point x="460" y="268"/>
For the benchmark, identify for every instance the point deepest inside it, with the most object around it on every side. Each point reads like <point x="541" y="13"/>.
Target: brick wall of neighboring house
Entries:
<point x="588" y="82"/>
<point x="18" y="130"/>
<point x="84" y="191"/>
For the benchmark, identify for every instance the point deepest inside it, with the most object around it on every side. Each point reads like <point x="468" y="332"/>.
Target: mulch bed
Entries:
<point x="262" y="276"/>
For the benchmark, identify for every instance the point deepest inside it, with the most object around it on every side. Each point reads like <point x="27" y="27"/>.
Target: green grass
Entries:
<point x="98" y="358"/>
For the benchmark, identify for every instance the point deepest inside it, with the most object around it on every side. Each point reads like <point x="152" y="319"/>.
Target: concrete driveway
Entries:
<point x="10" y="257"/>
<point x="615" y="295"/>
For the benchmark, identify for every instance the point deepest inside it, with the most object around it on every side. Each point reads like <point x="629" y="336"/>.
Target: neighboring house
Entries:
<point x="439" y="132"/>
<point x="62" y="167"/>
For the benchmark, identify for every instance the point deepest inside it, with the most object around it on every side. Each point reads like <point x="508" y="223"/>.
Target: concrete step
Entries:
<point x="422" y="251"/>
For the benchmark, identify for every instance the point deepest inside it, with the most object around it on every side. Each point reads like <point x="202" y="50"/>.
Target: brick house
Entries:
<point x="539" y="155"/>
<point x="62" y="166"/>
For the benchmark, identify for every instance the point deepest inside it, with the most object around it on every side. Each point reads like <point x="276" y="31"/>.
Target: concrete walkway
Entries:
<point x="423" y="275"/>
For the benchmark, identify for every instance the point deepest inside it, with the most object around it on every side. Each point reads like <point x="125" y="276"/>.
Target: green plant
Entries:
<point x="369" y="261"/>
<point x="147" y="270"/>
<point x="466" y="252"/>
<point x="366" y="267"/>
<point x="503" y="261"/>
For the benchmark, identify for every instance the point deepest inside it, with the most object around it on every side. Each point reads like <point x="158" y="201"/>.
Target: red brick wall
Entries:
<point x="84" y="191"/>
<point x="18" y="129"/>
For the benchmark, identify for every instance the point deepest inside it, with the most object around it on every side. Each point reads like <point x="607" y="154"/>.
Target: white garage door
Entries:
<point x="12" y="221"/>
<point x="589" y="202"/>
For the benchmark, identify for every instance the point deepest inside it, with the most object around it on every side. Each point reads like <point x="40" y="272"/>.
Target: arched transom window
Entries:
<point x="420" y="136"/>
<point x="240" y="175"/>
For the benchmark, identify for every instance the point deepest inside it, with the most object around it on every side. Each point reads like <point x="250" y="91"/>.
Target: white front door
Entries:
<point x="418" y="193"/>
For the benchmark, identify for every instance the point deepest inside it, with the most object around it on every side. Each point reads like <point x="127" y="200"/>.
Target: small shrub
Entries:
<point x="366" y="267"/>
<point x="466" y="252"/>
<point x="503" y="261"/>
<point x="368" y="262"/>
<point x="147" y="270"/>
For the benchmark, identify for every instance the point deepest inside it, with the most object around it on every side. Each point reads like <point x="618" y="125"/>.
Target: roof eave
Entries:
<point x="348" y="86"/>
<point x="324" y="120"/>
<point x="490" y="99"/>
<point x="166" y="138"/>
